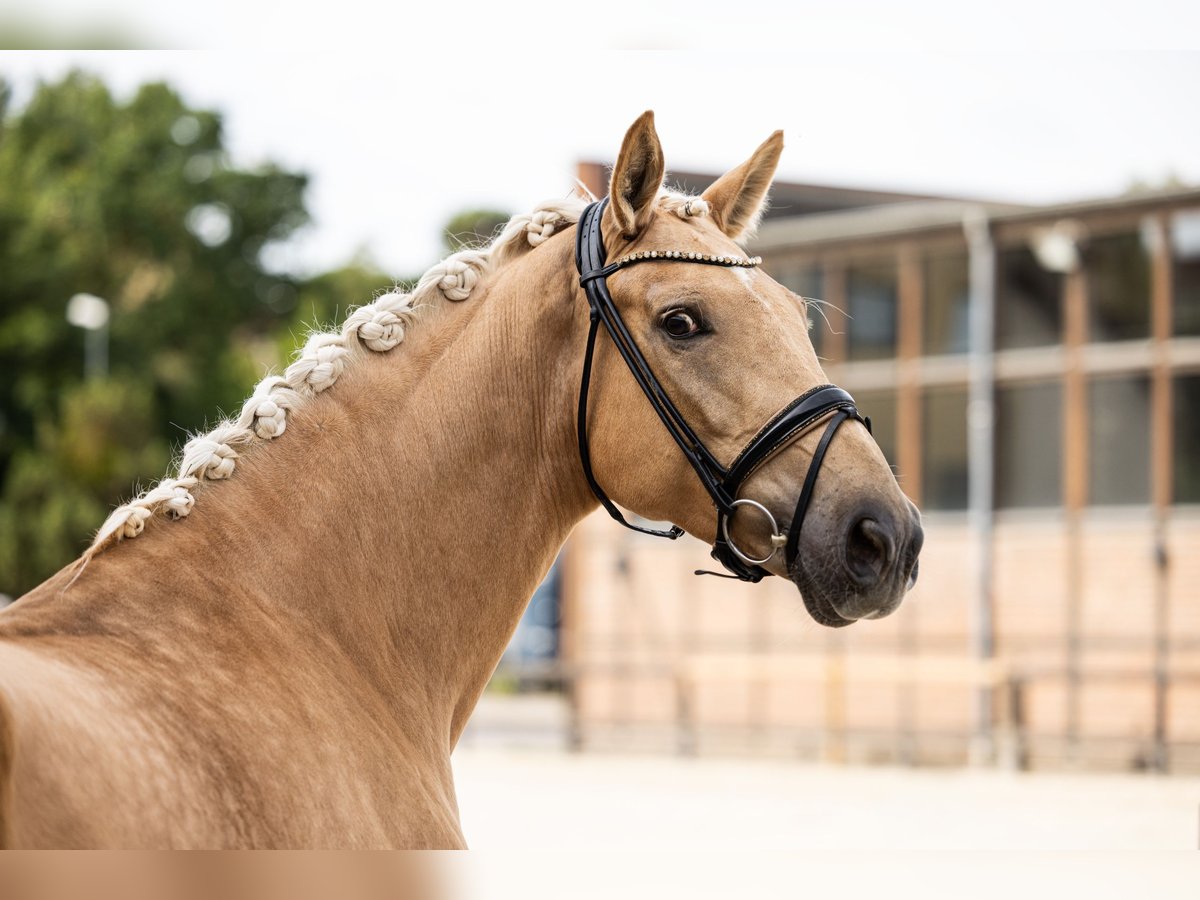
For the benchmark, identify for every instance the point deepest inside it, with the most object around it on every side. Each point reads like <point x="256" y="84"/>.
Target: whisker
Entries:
<point x="820" y="306"/>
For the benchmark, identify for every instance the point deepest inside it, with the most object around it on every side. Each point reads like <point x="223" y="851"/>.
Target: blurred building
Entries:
<point x="1033" y="374"/>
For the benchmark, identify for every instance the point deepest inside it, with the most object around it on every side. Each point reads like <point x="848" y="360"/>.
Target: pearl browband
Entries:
<point x="746" y="262"/>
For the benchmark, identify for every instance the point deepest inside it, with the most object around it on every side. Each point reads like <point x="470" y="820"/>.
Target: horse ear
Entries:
<point x="637" y="177"/>
<point x="736" y="198"/>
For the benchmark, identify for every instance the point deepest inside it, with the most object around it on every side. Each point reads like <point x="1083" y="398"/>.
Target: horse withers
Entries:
<point x="280" y="644"/>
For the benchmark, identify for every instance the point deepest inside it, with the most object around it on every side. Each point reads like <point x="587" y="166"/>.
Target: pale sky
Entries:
<point x="401" y="133"/>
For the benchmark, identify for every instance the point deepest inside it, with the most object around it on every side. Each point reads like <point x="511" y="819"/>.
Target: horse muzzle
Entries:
<point x="866" y="574"/>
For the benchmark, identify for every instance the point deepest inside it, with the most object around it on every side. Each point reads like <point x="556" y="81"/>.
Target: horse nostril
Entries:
<point x="870" y="551"/>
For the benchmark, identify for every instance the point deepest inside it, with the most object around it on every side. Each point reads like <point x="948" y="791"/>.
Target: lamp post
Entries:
<point x="89" y="312"/>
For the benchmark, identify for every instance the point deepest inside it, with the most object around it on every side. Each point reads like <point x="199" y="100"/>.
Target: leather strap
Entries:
<point x="794" y="420"/>
<point x="721" y="483"/>
<point x="792" y="547"/>
<point x="585" y="454"/>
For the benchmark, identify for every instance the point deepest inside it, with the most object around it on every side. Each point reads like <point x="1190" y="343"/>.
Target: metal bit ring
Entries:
<point x="777" y="539"/>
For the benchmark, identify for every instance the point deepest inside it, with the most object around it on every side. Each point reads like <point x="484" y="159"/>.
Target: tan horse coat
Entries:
<point x="293" y="663"/>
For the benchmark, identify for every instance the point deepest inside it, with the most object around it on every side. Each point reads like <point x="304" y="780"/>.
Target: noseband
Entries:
<point x="721" y="482"/>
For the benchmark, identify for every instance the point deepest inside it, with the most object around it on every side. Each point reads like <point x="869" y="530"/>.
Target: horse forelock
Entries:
<point x="378" y="326"/>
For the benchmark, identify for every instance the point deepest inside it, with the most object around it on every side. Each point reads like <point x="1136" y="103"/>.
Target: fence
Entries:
<point x="1097" y="661"/>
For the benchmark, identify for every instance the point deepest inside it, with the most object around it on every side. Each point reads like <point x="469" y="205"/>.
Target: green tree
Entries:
<point x="323" y="300"/>
<point x="136" y="202"/>
<point x="472" y="227"/>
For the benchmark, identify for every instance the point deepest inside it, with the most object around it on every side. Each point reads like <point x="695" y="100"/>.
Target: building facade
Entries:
<point x="1034" y="377"/>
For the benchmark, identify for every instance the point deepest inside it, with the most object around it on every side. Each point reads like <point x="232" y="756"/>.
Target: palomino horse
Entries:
<point x="292" y="660"/>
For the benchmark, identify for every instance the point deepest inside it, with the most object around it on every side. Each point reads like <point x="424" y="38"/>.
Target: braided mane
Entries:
<point x="378" y="326"/>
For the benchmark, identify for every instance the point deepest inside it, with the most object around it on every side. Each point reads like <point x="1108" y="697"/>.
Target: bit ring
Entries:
<point x="777" y="539"/>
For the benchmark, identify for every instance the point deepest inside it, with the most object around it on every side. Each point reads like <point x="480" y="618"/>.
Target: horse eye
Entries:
<point x="680" y="324"/>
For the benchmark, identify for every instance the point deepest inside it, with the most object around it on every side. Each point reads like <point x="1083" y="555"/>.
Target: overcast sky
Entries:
<point x="398" y="140"/>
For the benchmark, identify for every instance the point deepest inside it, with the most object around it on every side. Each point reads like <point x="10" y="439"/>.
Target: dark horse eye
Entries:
<point x="679" y="324"/>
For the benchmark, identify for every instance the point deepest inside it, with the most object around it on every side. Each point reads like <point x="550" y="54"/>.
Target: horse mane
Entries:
<point x="378" y="326"/>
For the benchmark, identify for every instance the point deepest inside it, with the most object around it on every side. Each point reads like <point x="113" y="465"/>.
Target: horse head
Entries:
<point x="706" y="405"/>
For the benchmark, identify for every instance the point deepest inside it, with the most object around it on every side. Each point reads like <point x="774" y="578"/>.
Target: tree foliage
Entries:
<point x="472" y="228"/>
<point x="135" y="202"/>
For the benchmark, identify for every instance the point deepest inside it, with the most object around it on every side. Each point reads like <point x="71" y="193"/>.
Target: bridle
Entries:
<point x="721" y="482"/>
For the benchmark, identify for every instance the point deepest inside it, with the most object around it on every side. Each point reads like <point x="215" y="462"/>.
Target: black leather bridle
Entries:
<point x="721" y="482"/>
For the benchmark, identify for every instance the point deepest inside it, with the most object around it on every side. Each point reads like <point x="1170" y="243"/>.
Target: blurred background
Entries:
<point x="1007" y="247"/>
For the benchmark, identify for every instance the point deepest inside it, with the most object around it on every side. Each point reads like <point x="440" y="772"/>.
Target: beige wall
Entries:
<point x="669" y="660"/>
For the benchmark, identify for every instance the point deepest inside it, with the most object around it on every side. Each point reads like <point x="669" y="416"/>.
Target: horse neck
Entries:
<point x="411" y="510"/>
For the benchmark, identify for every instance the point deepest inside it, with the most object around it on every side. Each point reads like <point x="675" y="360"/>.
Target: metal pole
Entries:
<point x="91" y="313"/>
<point x="95" y="352"/>
<point x="1161" y="292"/>
<point x="981" y="426"/>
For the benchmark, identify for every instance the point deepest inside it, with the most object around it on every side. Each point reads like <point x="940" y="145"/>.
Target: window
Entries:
<point x="1029" y="445"/>
<point x="1187" y="438"/>
<point x="1028" y="303"/>
<point x="1118" y="283"/>
<point x="871" y="296"/>
<point x="1185" y="247"/>
<point x="808" y="282"/>
<point x="944" y="448"/>
<point x="1119" y="440"/>
<point x="881" y="407"/>
<point x="947" y="293"/>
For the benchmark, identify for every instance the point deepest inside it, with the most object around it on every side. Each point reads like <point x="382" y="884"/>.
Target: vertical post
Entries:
<point x="91" y="313"/>
<point x="981" y="425"/>
<point x="833" y="743"/>
<point x="908" y="390"/>
<point x="1014" y="756"/>
<point x="570" y="631"/>
<point x="758" y="689"/>
<point x="833" y="748"/>
<point x="685" y="704"/>
<point x="910" y="316"/>
<point x="1075" y="489"/>
<point x="1161" y="486"/>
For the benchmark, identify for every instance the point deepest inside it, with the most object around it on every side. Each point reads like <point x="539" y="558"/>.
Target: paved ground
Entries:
<point x="545" y="799"/>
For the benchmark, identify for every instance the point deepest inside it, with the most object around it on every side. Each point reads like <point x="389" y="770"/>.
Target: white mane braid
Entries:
<point x="378" y="326"/>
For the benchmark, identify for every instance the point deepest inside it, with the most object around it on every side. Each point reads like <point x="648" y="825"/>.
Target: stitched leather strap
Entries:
<point x="793" y="421"/>
<point x="792" y="547"/>
<point x="590" y="260"/>
<point x="722" y="484"/>
<point x="585" y="454"/>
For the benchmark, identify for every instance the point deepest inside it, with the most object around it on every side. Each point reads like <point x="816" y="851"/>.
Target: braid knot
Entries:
<point x="378" y="326"/>
<point x="208" y="457"/>
<point x="135" y="519"/>
<point x="456" y="276"/>
<point x="542" y="225"/>
<point x="180" y="501"/>
<point x="319" y="366"/>
<point x="379" y="329"/>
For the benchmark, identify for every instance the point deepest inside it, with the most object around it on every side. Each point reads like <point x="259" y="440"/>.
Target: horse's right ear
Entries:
<point x="736" y="198"/>
<point x="637" y="177"/>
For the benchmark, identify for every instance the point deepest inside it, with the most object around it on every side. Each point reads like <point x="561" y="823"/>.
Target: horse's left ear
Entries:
<point x="736" y="198"/>
<point x="637" y="177"/>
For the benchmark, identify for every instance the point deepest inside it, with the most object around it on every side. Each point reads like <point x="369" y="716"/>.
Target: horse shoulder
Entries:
<point x="111" y="740"/>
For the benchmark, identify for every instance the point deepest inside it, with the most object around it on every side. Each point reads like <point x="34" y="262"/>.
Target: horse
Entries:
<point x="280" y="645"/>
